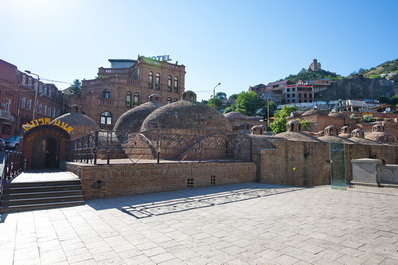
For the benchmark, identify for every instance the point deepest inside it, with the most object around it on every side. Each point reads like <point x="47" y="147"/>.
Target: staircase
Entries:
<point x="26" y="196"/>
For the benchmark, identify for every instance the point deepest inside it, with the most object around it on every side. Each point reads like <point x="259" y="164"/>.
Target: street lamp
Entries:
<point x="36" y="93"/>
<point x="214" y="90"/>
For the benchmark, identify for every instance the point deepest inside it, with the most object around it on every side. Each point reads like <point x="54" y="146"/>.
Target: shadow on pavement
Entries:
<point x="155" y="204"/>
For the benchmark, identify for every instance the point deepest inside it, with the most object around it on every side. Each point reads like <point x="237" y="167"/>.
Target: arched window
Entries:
<point x="136" y="99"/>
<point x="129" y="100"/>
<point x="106" y="118"/>
<point x="176" y="84"/>
<point x="150" y="80"/>
<point x="169" y="83"/>
<point x="157" y="84"/>
<point x="106" y="94"/>
<point x="175" y="99"/>
<point x="169" y="100"/>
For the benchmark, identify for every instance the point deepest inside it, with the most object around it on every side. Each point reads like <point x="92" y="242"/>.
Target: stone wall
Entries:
<point x="308" y="163"/>
<point x="103" y="181"/>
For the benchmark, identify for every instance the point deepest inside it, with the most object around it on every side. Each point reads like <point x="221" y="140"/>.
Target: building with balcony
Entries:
<point x="298" y="93"/>
<point x="127" y="84"/>
<point x="17" y="95"/>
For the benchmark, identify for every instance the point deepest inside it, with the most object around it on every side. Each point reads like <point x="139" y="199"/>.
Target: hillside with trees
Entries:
<point x="384" y="69"/>
<point x="313" y="75"/>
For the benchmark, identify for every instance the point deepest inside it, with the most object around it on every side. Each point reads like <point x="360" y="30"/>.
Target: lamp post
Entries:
<point x="214" y="90"/>
<point x="36" y="93"/>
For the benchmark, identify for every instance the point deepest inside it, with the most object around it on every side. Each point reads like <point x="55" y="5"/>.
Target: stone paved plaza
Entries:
<point x="236" y="224"/>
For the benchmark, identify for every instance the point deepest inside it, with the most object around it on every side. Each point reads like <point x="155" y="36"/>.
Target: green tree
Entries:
<point x="279" y="124"/>
<point x="250" y="102"/>
<point x="221" y="95"/>
<point x="215" y="103"/>
<point x="305" y="125"/>
<point x="229" y="109"/>
<point x="75" y="88"/>
<point x="233" y="96"/>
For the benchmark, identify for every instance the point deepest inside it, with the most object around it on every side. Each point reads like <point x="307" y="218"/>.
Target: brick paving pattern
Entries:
<point x="235" y="224"/>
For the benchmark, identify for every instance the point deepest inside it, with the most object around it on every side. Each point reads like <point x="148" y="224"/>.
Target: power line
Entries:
<point x="56" y="81"/>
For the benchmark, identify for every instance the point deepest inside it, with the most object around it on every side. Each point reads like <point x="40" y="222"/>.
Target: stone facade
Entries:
<point x="117" y="90"/>
<point x="103" y="181"/>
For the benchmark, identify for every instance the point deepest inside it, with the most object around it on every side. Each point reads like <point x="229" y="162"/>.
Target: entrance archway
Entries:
<point x="45" y="146"/>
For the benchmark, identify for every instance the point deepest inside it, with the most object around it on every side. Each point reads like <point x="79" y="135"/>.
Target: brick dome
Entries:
<point x="82" y="125"/>
<point x="234" y="115"/>
<point x="131" y="121"/>
<point x="187" y="115"/>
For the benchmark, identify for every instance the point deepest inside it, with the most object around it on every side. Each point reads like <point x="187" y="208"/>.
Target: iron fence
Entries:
<point x="12" y="164"/>
<point x="157" y="145"/>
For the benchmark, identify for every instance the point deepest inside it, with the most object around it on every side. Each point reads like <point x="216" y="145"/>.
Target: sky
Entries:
<point x="238" y="43"/>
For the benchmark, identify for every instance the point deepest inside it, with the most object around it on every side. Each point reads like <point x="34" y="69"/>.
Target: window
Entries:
<point x="175" y="84"/>
<point x="175" y="99"/>
<point x="157" y="84"/>
<point x="150" y="80"/>
<point x="299" y="95"/>
<point x="169" y="100"/>
<point x="29" y="104"/>
<point x="310" y="96"/>
<point x="40" y="108"/>
<point x="53" y="114"/>
<point x="44" y="109"/>
<point x="50" y="92"/>
<point x="49" y="112"/>
<point x="305" y="96"/>
<point x="22" y="102"/>
<point x="106" y="94"/>
<point x="136" y="99"/>
<point x="7" y="104"/>
<point x="293" y="89"/>
<point x="23" y="80"/>
<point x="106" y="118"/>
<point x="293" y="95"/>
<point x="287" y="89"/>
<point x="129" y="102"/>
<point x="169" y="83"/>
<point x="6" y="129"/>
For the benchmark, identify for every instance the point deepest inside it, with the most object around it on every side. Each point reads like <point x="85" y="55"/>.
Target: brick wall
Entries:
<point x="103" y="181"/>
<point x="308" y="163"/>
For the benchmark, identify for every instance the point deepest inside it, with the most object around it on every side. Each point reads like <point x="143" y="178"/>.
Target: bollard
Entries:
<point x="158" y="157"/>
<point x="200" y="156"/>
<point x="107" y="157"/>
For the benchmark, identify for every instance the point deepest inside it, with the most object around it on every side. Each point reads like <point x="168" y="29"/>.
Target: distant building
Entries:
<point x="17" y="95"/>
<point x="127" y="84"/>
<point x="259" y="89"/>
<point x="315" y="66"/>
<point x="298" y="93"/>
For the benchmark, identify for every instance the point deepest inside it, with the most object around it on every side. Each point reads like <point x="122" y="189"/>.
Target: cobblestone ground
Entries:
<point x="235" y="224"/>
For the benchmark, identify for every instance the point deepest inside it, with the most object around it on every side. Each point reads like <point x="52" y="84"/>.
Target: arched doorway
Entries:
<point x="45" y="153"/>
<point x="45" y="146"/>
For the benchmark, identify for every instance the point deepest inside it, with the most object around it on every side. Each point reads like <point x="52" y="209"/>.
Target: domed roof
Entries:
<point x="82" y="125"/>
<point x="360" y="140"/>
<point x="336" y="115"/>
<point x="332" y="138"/>
<point x="234" y="115"/>
<point x="311" y="112"/>
<point x="131" y="120"/>
<point x="298" y="136"/>
<point x="186" y="115"/>
<point x="381" y="137"/>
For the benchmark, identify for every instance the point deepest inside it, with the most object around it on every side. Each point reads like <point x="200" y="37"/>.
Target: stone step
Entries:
<point x="25" y="195"/>
<point x="43" y="183"/>
<point x="42" y="200"/>
<point x="39" y="188"/>
<point x="30" y="207"/>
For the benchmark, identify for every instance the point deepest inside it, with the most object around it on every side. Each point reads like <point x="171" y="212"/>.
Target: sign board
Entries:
<point x="47" y="121"/>
<point x="160" y="58"/>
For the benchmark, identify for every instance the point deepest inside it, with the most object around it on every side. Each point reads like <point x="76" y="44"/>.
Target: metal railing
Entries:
<point x="155" y="145"/>
<point x="11" y="166"/>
